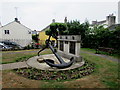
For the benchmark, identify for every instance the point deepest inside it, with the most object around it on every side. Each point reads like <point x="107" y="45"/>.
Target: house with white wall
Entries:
<point x="16" y="32"/>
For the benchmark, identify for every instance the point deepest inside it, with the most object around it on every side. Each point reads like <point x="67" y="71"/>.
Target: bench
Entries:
<point x="104" y="49"/>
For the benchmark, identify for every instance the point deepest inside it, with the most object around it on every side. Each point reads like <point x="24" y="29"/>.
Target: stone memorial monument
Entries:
<point x="66" y="57"/>
<point x="69" y="46"/>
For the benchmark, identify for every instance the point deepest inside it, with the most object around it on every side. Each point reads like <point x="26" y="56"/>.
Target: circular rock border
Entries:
<point x="37" y="74"/>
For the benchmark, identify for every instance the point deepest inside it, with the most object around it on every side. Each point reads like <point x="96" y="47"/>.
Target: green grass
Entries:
<point x="16" y="57"/>
<point x="89" y="50"/>
<point x="105" y="69"/>
<point x="53" y="85"/>
<point x="105" y="74"/>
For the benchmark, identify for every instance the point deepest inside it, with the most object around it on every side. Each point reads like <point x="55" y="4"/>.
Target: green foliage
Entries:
<point x="53" y="85"/>
<point x="105" y="70"/>
<point x="55" y="29"/>
<point x="35" y="37"/>
<point x="23" y="58"/>
<point x="70" y="28"/>
<point x="98" y="36"/>
<point x="94" y="37"/>
<point x="75" y="28"/>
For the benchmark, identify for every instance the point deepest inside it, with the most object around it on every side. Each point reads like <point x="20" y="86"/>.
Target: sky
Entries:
<point x="36" y="15"/>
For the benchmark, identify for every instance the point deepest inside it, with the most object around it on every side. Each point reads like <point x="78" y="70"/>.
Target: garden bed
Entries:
<point x="37" y="74"/>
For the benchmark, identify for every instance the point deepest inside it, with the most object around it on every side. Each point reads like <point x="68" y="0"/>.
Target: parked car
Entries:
<point x="12" y="44"/>
<point x="4" y="47"/>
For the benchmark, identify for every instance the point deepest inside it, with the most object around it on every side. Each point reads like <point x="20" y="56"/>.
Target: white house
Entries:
<point x="16" y="32"/>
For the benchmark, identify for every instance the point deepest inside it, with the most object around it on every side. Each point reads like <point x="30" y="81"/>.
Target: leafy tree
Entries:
<point x="75" y="28"/>
<point x="115" y="39"/>
<point x="55" y="29"/>
<point x="35" y="38"/>
<point x="98" y="36"/>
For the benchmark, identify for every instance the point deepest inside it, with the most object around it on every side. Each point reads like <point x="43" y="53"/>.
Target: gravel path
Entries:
<point x="13" y="65"/>
<point x="24" y="64"/>
<point x="14" y="52"/>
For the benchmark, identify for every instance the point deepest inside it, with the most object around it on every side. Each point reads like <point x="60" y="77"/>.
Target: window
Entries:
<point x="7" y="31"/>
<point x="29" y="32"/>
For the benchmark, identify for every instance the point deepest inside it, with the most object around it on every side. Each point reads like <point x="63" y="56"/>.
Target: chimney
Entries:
<point x="65" y="20"/>
<point x="53" y="21"/>
<point x="0" y="24"/>
<point x="111" y="19"/>
<point x="16" y="19"/>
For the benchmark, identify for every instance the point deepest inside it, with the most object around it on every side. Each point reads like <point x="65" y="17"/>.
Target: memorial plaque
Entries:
<point x="72" y="47"/>
<point x="73" y="37"/>
<point x="61" y="46"/>
<point x="66" y="42"/>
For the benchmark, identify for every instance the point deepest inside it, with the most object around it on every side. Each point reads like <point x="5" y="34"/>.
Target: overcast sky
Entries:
<point x="38" y="14"/>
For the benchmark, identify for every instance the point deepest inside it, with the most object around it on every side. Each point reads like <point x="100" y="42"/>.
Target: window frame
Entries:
<point x="6" y="31"/>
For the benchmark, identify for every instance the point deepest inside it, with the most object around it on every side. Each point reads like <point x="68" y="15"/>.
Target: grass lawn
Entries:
<point x="10" y="57"/>
<point x="105" y="75"/>
<point x="106" y="70"/>
<point x="105" y="53"/>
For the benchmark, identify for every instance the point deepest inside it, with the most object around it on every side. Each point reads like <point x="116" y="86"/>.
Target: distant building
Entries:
<point x="113" y="27"/>
<point x="43" y="37"/>
<point x="99" y="22"/>
<point x="119" y="12"/>
<point x="35" y="32"/>
<point x="110" y="20"/>
<point x="16" y="32"/>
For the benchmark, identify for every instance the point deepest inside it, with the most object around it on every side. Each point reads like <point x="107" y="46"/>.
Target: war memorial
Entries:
<point x="64" y="64"/>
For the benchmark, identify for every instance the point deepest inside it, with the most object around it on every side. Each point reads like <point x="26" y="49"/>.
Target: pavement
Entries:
<point x="30" y="62"/>
<point x="13" y="65"/>
<point x="21" y="51"/>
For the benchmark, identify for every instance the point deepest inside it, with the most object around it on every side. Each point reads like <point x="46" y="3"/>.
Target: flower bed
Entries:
<point x="36" y="74"/>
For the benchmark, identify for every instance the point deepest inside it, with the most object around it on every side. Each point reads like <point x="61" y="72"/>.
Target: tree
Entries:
<point x="35" y="38"/>
<point x="115" y="39"/>
<point x="56" y="29"/>
<point x="75" y="28"/>
<point x="97" y="37"/>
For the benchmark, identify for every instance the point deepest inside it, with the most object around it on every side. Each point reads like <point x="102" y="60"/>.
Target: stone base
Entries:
<point x="37" y="62"/>
<point x="68" y="56"/>
<point x="40" y="60"/>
